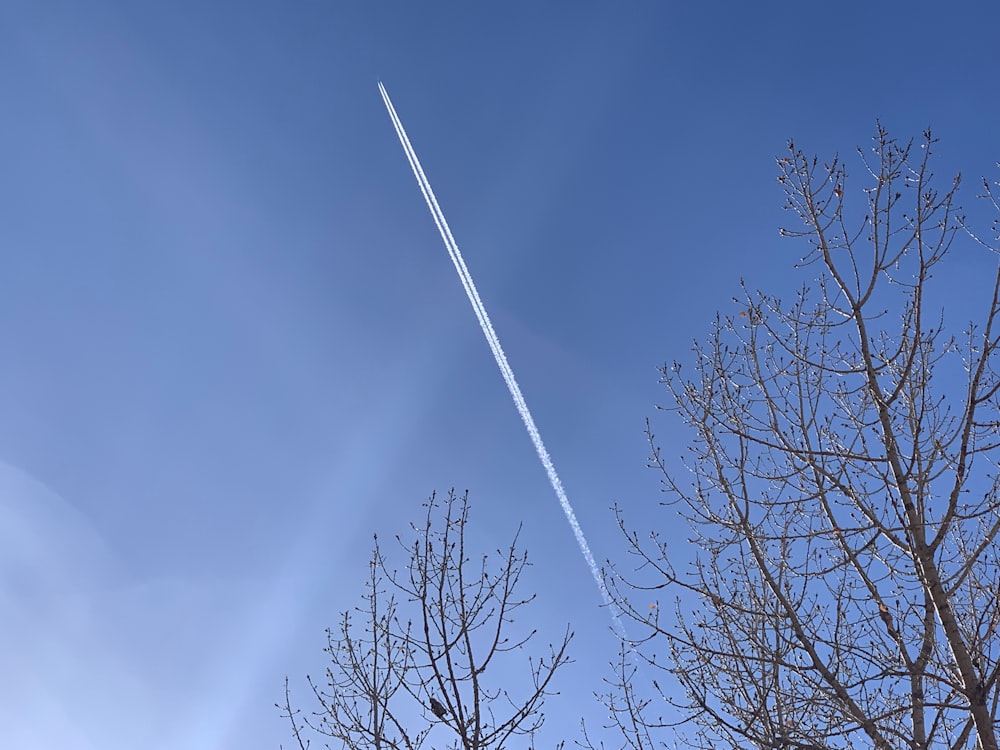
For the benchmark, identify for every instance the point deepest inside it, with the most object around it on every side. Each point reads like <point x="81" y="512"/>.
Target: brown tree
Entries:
<point x="429" y="638"/>
<point x="842" y="490"/>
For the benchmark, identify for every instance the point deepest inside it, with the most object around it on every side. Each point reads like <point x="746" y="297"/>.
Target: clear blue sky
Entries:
<point x="234" y="346"/>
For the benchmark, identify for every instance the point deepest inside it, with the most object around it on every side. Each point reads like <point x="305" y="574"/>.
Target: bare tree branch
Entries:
<point x="420" y="655"/>
<point x="841" y="488"/>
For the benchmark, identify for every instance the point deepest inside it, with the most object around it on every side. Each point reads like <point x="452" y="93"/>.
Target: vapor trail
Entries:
<point x="501" y="359"/>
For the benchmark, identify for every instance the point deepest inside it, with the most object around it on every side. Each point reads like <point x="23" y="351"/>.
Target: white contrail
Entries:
<point x="498" y="354"/>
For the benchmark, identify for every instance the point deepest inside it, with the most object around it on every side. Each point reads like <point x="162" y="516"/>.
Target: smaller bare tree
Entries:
<point x="429" y="640"/>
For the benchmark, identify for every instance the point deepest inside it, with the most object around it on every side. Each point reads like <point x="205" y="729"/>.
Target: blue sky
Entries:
<point x="234" y="346"/>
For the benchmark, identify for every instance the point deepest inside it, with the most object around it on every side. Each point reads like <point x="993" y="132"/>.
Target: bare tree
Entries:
<point x="429" y="638"/>
<point x="842" y="490"/>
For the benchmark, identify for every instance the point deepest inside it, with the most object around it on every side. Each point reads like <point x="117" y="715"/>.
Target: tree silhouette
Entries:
<point x="841" y="488"/>
<point x="429" y="639"/>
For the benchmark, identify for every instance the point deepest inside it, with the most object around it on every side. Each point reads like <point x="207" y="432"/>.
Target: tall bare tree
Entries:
<point x="429" y="638"/>
<point x="841" y="487"/>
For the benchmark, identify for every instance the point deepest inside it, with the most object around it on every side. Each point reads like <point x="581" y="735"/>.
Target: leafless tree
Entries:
<point x="430" y="637"/>
<point x="842" y="490"/>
